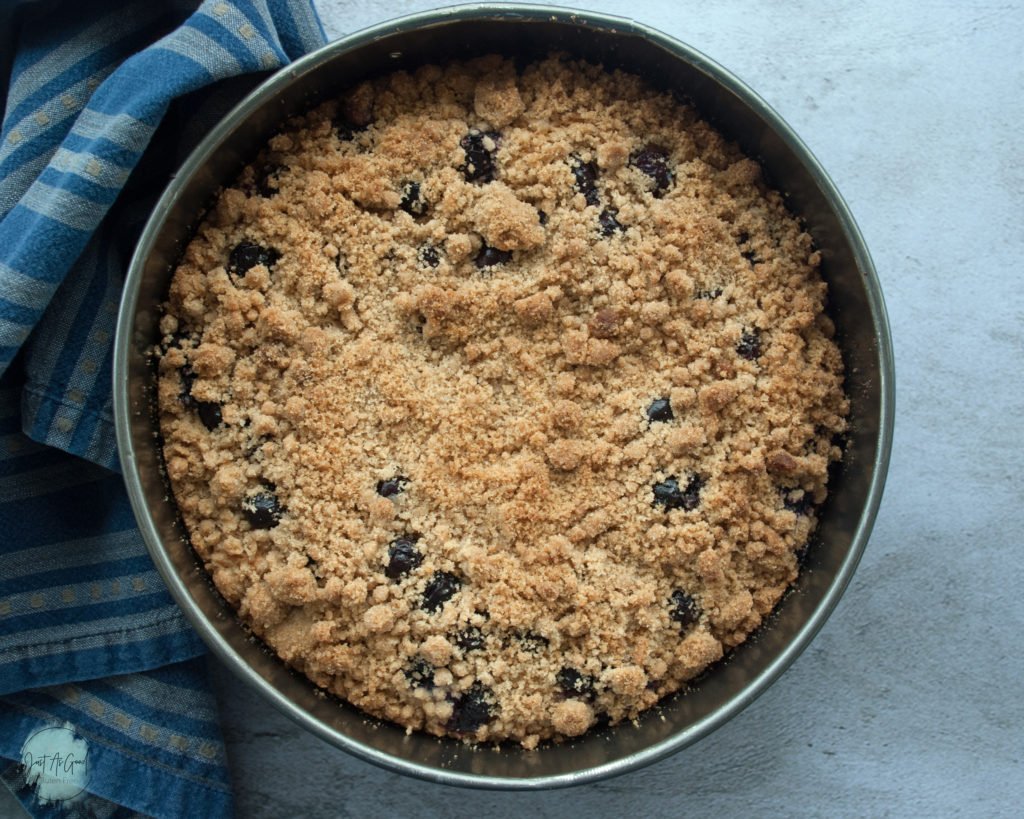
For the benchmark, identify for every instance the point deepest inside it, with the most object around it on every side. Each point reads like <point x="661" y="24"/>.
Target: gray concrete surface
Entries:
<point x="908" y="703"/>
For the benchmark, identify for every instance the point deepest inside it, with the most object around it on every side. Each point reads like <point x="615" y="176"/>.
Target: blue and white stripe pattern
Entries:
<point x="79" y="596"/>
<point x="104" y="101"/>
<point x="86" y="97"/>
<point x="152" y="716"/>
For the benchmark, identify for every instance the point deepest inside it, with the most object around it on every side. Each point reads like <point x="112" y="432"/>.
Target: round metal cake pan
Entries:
<point x="856" y="306"/>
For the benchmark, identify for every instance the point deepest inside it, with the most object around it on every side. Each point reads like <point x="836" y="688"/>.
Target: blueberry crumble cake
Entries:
<point x="499" y="400"/>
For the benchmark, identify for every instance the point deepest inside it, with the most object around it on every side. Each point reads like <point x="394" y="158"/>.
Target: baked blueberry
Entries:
<point x="413" y="202"/>
<point x="471" y="709"/>
<point x="247" y="255"/>
<point x="420" y="673"/>
<point x="608" y="223"/>
<point x="403" y="557"/>
<point x="749" y="346"/>
<point x="490" y="256"/>
<point x="470" y="638"/>
<point x="684" y="609"/>
<point x="209" y="414"/>
<point x="669" y="494"/>
<point x="585" y="174"/>
<point x="439" y="590"/>
<point x="389" y="487"/>
<point x="713" y="293"/>
<point x="653" y="163"/>
<point x="574" y="683"/>
<point x="266" y="180"/>
<point x="262" y="510"/>
<point x="430" y="256"/>
<point x="209" y="411"/>
<point x="660" y="410"/>
<point x="480" y="165"/>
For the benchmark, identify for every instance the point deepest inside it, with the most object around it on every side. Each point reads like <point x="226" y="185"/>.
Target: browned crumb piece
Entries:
<point x="499" y="402"/>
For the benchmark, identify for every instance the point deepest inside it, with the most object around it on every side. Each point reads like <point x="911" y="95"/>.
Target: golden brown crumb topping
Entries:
<point x="496" y="401"/>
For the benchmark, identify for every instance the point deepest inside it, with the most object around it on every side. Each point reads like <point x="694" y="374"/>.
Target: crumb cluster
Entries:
<point x="500" y="402"/>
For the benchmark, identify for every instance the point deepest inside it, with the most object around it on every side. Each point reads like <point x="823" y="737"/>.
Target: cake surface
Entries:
<point x="499" y="402"/>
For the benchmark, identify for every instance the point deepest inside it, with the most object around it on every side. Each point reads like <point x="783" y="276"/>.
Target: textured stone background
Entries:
<point x="908" y="703"/>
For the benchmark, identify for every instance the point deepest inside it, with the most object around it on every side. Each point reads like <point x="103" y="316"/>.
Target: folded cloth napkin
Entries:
<point x="105" y="709"/>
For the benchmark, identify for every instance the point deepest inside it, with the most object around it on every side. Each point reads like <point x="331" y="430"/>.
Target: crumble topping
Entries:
<point x="500" y="403"/>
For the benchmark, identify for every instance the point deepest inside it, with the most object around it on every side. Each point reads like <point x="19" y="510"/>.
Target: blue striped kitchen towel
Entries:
<point x="105" y="709"/>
